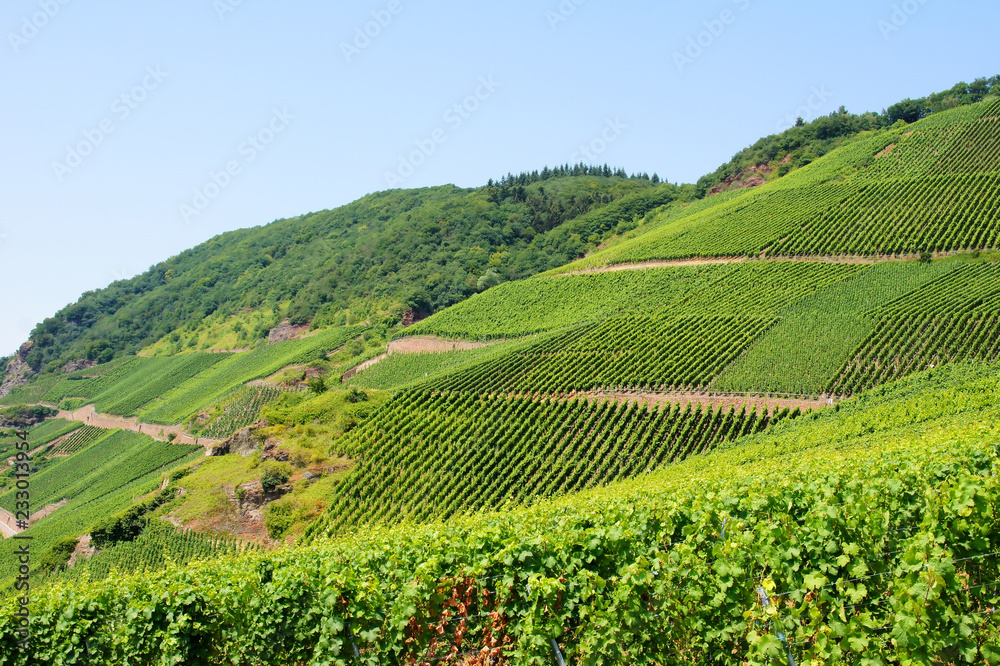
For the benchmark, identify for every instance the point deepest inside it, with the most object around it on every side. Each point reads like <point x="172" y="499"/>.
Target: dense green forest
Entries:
<point x="423" y="249"/>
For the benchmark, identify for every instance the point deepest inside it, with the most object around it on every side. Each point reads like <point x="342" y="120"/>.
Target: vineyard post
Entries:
<point x="557" y="652"/>
<point x="350" y="637"/>
<point x="765" y="602"/>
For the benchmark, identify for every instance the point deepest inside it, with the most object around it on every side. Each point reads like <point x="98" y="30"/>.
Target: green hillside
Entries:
<point x="425" y="249"/>
<point x="802" y="144"/>
<point x="753" y="428"/>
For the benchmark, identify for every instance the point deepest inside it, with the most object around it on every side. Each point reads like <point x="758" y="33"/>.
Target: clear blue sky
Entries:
<point x="116" y="113"/>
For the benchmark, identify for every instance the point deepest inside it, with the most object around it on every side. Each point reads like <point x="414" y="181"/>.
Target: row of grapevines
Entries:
<point x="516" y="309"/>
<point x="952" y="318"/>
<point x="680" y="345"/>
<point x="102" y="467"/>
<point x="92" y="382"/>
<point x="79" y="439"/>
<point x="240" y="410"/>
<point x="949" y="212"/>
<point x="929" y="186"/>
<point x="863" y="535"/>
<point x="430" y="455"/>
<point x="399" y="370"/>
<point x="159" y="545"/>
<point x="806" y="349"/>
<point x="153" y="378"/>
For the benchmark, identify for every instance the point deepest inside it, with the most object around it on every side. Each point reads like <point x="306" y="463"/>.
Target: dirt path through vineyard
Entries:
<point x="714" y="261"/>
<point x="417" y="344"/>
<point x="713" y="399"/>
<point x="89" y="416"/>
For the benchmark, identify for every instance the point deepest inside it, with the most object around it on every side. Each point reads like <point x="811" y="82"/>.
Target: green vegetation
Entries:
<point x="824" y="330"/>
<point x="954" y="318"/>
<point x="190" y="396"/>
<point x="158" y="546"/>
<point x="401" y="370"/>
<point x="665" y="338"/>
<point x="432" y="455"/>
<point x="869" y="529"/>
<point x="538" y="305"/>
<point x="804" y="143"/>
<point x="130" y="385"/>
<point x="239" y="410"/>
<point x="426" y="249"/>
<point x="99" y="481"/>
<point x="81" y="438"/>
<point x="905" y="190"/>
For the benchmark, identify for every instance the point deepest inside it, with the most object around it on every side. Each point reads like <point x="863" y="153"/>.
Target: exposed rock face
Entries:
<point x="254" y="500"/>
<point x="17" y="371"/>
<point x="81" y="364"/>
<point x="748" y="178"/>
<point x="411" y="317"/>
<point x="272" y="452"/>
<point x="83" y="551"/>
<point x="286" y="331"/>
<point x="244" y="443"/>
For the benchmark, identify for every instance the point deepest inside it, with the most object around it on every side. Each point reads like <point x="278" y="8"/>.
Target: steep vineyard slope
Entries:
<point x="931" y="186"/>
<point x="865" y="534"/>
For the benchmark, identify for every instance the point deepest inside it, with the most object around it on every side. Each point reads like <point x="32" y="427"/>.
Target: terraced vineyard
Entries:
<point x="830" y="519"/>
<point x="400" y="370"/>
<point x="430" y="455"/>
<point x="188" y="397"/>
<point x="658" y="344"/>
<point x="98" y="481"/>
<point x="516" y="309"/>
<point x="38" y="435"/>
<point x="953" y="318"/>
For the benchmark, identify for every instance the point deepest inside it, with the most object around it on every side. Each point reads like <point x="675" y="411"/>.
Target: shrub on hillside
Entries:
<point x="274" y="474"/>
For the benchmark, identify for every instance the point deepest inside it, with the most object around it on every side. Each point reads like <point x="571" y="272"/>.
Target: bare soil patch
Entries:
<point x="771" y="404"/>
<point x="885" y="151"/>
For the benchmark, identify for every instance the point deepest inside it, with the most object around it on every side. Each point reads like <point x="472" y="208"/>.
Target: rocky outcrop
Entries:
<point x="17" y="371"/>
<point x="243" y="443"/>
<point x="251" y="500"/>
<point x="286" y="331"/>
<point x="754" y="176"/>
<point x="411" y="317"/>
<point x="81" y="364"/>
